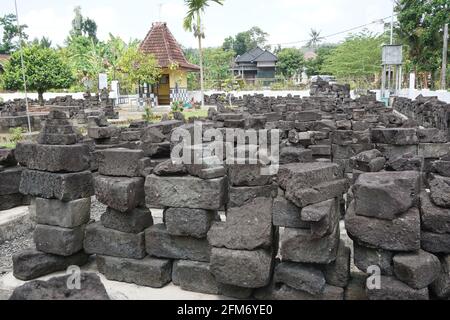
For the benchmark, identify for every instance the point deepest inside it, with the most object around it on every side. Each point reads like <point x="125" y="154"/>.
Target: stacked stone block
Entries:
<point x="10" y="174"/>
<point x="315" y="263"/>
<point x="57" y="176"/>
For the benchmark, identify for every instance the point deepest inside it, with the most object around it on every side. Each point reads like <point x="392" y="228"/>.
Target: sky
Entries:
<point x="286" y="21"/>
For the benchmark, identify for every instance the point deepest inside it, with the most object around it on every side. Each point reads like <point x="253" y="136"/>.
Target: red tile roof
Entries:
<point x="160" y="42"/>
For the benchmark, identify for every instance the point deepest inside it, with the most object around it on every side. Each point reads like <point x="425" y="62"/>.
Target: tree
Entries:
<point x="10" y="32"/>
<point x="138" y="67"/>
<point x="44" y="70"/>
<point x="314" y="66"/>
<point x="193" y="22"/>
<point x="315" y="39"/>
<point x="82" y="26"/>
<point x="357" y="59"/>
<point x="246" y="41"/>
<point x="420" y="26"/>
<point x="290" y="62"/>
<point x="44" y="42"/>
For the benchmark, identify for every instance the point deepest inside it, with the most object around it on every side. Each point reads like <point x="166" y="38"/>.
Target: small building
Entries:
<point x="172" y="85"/>
<point x="256" y="65"/>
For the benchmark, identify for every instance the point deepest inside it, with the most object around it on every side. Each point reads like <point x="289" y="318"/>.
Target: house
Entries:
<point x="172" y="85"/>
<point x="3" y="59"/>
<point x="256" y="65"/>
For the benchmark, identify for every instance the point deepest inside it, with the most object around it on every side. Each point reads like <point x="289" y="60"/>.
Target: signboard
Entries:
<point x="102" y="81"/>
<point x="392" y="55"/>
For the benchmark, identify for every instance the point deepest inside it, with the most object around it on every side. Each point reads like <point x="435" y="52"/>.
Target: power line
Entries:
<point x="337" y="33"/>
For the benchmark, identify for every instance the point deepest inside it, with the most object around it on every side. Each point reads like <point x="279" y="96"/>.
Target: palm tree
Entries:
<point x="193" y="22"/>
<point x="315" y="39"/>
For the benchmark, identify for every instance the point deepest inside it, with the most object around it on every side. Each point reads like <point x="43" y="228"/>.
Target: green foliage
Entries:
<point x="315" y="39"/>
<point x="10" y="33"/>
<point x="44" y="42"/>
<point x="16" y="135"/>
<point x="138" y="67"/>
<point x="216" y="67"/>
<point x="246" y="41"/>
<point x="150" y="116"/>
<point x="44" y="68"/>
<point x="420" y="26"/>
<point x="192" y="20"/>
<point x="177" y="106"/>
<point x="358" y="58"/>
<point x="314" y="66"/>
<point x="290" y="62"/>
<point x="82" y="26"/>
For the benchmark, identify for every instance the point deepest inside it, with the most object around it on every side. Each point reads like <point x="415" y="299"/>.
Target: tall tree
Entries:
<point x="315" y="39"/>
<point x="246" y="41"/>
<point x="314" y="66"/>
<point x="420" y="26"/>
<point x="44" y="68"/>
<point x="193" y="22"/>
<point x="82" y="26"/>
<point x="11" y="32"/>
<point x="290" y="62"/>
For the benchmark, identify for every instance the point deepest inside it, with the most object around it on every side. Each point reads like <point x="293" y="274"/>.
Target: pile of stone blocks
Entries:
<point x="104" y="135"/>
<point x="347" y="144"/>
<point x="118" y="239"/>
<point x="10" y="174"/>
<point x="156" y="139"/>
<point x="244" y="246"/>
<point x="191" y="204"/>
<point x="57" y="176"/>
<point x="385" y="224"/>
<point x="315" y="263"/>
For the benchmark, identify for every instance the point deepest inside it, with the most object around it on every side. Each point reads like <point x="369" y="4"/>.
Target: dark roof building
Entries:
<point x="256" y="64"/>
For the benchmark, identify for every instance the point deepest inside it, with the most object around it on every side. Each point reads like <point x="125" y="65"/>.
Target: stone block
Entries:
<point x="418" y="270"/>
<point x="433" y="150"/>
<point x="147" y="272"/>
<point x="10" y="201"/>
<point x="160" y="243"/>
<point x="56" y="240"/>
<point x="318" y="193"/>
<point x="305" y="175"/>
<point x="247" y="269"/>
<point x="348" y="151"/>
<point x="441" y="286"/>
<point x="10" y="180"/>
<point x="287" y="214"/>
<point x="120" y="162"/>
<point x="435" y="242"/>
<point x="337" y="273"/>
<point x="7" y="157"/>
<point x="194" y="276"/>
<point x="295" y="155"/>
<point x="103" y="132"/>
<point x="365" y="257"/>
<point x="356" y="288"/>
<point x="120" y="193"/>
<point x="31" y="264"/>
<point x="441" y="168"/>
<point x="385" y="195"/>
<point x="348" y="137"/>
<point x="434" y="219"/>
<point x="301" y="277"/>
<point x="102" y="241"/>
<point x="70" y="214"/>
<point x="393" y="289"/>
<point x="298" y="245"/>
<point x="320" y="150"/>
<point x="238" y="196"/>
<point x="393" y="152"/>
<point x="440" y="190"/>
<point x="134" y="221"/>
<point x="284" y="292"/>
<point x="186" y="192"/>
<point x="395" y="136"/>
<point x="64" y="187"/>
<point x="431" y="135"/>
<point x="189" y="222"/>
<point x="400" y="234"/>
<point x="54" y="158"/>
<point x="248" y="227"/>
<point x="248" y="175"/>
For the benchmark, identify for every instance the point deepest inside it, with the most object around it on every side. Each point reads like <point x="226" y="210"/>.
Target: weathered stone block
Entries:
<point x="318" y="193"/>
<point x="434" y="219"/>
<point x="185" y="192"/>
<point x="189" y="222"/>
<point x="134" y="221"/>
<point x="400" y="234"/>
<point x="64" y="187"/>
<point x="238" y="196"/>
<point x="102" y="241"/>
<point x="298" y="245"/>
<point x="63" y="214"/>
<point x="366" y="257"/>
<point x="435" y="242"/>
<point x="433" y="150"/>
<point x="248" y="269"/>
<point x="295" y="155"/>
<point x="10" y="201"/>
<point x="301" y="277"/>
<point x="287" y="214"/>
<point x="248" y="175"/>
<point x="194" y="276"/>
<point x="395" y="136"/>
<point x="385" y="195"/>
<point x="441" y="286"/>
<point x="393" y="152"/>
<point x="160" y="243"/>
<point x="119" y="193"/>
<point x="10" y="180"/>
<point x="441" y="168"/>
<point x="148" y="272"/>
<point x="305" y="175"/>
<point x="337" y="273"/>
<point x="31" y="264"/>
<point x="440" y="190"/>
<point x="120" y="162"/>
<point x="248" y="227"/>
<point x="417" y="270"/>
<point x="56" y="240"/>
<point x="393" y="289"/>
<point x="54" y="158"/>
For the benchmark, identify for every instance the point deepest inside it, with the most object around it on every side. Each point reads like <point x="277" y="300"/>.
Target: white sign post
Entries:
<point x="102" y="81"/>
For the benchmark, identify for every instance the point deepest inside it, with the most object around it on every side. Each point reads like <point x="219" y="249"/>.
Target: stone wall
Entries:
<point x="232" y="230"/>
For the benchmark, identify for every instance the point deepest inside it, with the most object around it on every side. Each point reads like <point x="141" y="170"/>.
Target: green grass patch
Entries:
<point x="198" y="113"/>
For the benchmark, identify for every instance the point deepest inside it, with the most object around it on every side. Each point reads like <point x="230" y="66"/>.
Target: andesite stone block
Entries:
<point x="120" y="162"/>
<point x="301" y="277"/>
<point x="194" y="276"/>
<point x="393" y="289"/>
<point x="238" y="196"/>
<point x="189" y="222"/>
<point x="57" y="240"/>
<point x="10" y="180"/>
<point x="63" y="214"/>
<point x="134" y="221"/>
<point x="434" y="219"/>
<point x="365" y="257"/>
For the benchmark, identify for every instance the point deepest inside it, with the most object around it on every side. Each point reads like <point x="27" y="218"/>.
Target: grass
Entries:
<point x="200" y="113"/>
<point x="8" y="145"/>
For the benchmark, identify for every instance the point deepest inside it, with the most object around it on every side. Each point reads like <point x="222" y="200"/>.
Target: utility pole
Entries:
<point x="23" y="67"/>
<point x="444" y="59"/>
